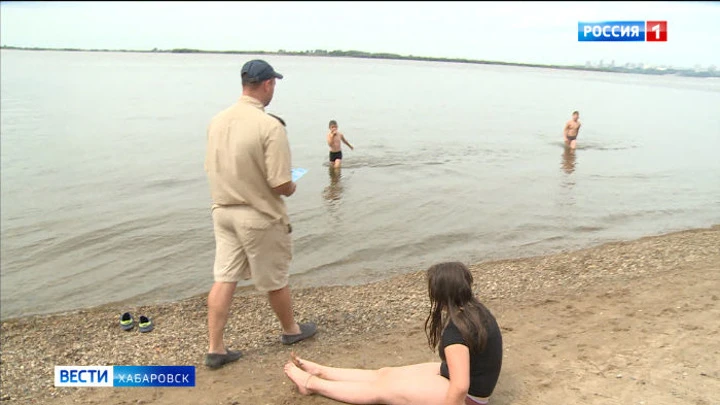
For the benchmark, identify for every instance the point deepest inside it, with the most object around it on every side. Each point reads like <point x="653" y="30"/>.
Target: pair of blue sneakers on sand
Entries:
<point x="127" y="323"/>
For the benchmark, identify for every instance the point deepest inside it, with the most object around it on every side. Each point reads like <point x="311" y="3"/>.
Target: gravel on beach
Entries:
<point x="32" y="346"/>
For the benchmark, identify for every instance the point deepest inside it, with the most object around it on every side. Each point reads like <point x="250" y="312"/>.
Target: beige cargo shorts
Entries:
<point x="250" y="245"/>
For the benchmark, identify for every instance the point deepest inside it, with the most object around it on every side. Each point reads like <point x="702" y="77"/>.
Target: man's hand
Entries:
<point x="286" y="189"/>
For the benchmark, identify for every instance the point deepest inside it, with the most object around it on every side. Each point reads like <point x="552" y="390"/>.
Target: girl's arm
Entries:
<point x="457" y="357"/>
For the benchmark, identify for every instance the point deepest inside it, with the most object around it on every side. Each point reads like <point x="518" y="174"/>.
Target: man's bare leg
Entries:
<point x="219" y="301"/>
<point x="337" y="163"/>
<point x="573" y="143"/>
<point x="281" y="303"/>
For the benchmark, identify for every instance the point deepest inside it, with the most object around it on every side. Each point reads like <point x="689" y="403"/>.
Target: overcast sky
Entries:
<point x="532" y="32"/>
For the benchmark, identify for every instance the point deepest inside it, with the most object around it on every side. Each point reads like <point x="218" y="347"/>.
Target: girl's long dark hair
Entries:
<point x="452" y="300"/>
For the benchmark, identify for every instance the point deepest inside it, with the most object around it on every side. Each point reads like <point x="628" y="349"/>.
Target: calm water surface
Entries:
<point x="104" y="196"/>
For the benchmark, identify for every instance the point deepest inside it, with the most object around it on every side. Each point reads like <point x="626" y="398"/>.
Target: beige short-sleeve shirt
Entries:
<point x="247" y="155"/>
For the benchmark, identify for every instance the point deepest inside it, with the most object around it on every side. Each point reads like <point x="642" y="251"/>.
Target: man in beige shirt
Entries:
<point x="248" y="168"/>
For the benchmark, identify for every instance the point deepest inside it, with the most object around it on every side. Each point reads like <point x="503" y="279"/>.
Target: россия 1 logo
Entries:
<point x="622" y="31"/>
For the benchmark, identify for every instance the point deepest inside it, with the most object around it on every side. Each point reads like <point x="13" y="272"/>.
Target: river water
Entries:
<point x="104" y="197"/>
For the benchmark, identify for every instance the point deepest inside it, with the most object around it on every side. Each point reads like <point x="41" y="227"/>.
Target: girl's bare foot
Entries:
<point x="299" y="377"/>
<point x="305" y="365"/>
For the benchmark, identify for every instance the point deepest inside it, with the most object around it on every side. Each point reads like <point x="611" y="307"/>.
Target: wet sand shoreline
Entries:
<point x="581" y="327"/>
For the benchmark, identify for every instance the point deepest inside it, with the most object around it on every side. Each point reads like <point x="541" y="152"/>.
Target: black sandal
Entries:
<point x="216" y="360"/>
<point x="306" y="330"/>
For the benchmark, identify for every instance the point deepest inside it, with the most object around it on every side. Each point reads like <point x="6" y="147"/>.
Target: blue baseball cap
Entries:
<point x="257" y="70"/>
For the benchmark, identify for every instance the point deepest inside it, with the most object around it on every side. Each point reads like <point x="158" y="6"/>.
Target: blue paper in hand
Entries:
<point x="297" y="173"/>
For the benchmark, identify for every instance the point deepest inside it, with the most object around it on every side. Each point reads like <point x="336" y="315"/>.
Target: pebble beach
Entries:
<point x="597" y="290"/>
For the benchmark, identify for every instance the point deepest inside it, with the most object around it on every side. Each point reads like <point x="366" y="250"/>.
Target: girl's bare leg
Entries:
<point x="420" y="384"/>
<point x="332" y="373"/>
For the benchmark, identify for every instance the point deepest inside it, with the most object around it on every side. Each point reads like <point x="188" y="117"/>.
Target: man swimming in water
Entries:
<point x="570" y="132"/>
<point x="335" y="140"/>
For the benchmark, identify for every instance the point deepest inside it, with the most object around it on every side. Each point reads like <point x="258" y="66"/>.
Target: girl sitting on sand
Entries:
<point x="459" y="326"/>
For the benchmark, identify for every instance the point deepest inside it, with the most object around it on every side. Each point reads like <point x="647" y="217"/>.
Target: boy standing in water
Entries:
<point x="570" y="132"/>
<point x="335" y="140"/>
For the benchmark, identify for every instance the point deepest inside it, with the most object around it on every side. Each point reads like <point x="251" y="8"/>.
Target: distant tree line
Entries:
<point x="370" y="55"/>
